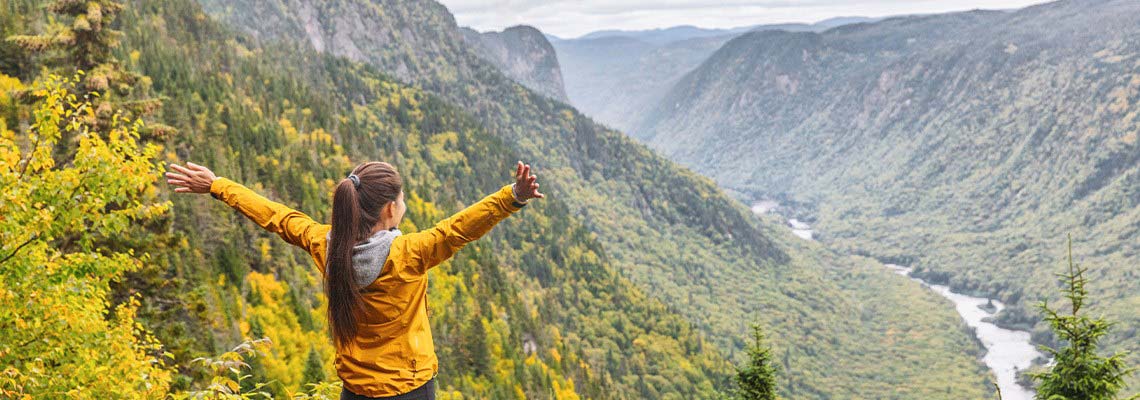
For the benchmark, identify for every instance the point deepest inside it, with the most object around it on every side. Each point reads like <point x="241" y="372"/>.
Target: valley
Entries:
<point x="965" y="145"/>
<point x="702" y="184"/>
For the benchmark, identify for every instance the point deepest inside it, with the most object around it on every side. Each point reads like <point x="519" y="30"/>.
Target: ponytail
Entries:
<point x="340" y="284"/>
<point x="357" y="202"/>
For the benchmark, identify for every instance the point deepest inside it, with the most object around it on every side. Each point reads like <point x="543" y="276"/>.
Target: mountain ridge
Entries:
<point x="663" y="36"/>
<point x="970" y="143"/>
<point x="617" y="76"/>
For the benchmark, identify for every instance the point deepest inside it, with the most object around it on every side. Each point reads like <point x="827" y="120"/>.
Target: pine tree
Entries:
<point x="757" y="379"/>
<point x="88" y="42"/>
<point x="314" y="368"/>
<point x="1078" y="372"/>
<point x="84" y="43"/>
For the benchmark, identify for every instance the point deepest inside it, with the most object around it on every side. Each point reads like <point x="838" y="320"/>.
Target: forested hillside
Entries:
<point x="670" y="231"/>
<point x="617" y="77"/>
<point x="634" y="279"/>
<point x="967" y="145"/>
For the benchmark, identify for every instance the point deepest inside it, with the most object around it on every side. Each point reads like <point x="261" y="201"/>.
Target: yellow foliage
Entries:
<point x="55" y="294"/>
<point x="555" y="355"/>
<point x="7" y="86"/>
<point x="285" y="360"/>
<point x="264" y="247"/>
<point x="441" y="149"/>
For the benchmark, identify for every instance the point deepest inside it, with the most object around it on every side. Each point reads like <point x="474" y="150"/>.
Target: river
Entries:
<point x="1007" y="351"/>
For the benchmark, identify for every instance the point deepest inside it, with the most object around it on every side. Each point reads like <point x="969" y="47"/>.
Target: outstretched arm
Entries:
<point x="292" y="225"/>
<point x="434" y="246"/>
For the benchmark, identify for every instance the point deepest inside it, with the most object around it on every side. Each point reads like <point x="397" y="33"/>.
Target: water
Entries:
<point x="799" y="228"/>
<point x="1007" y="351"/>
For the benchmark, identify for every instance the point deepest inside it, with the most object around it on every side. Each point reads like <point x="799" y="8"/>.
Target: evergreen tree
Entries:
<point x="314" y="368"/>
<point x="83" y="42"/>
<point x="757" y="379"/>
<point x="1078" y="372"/>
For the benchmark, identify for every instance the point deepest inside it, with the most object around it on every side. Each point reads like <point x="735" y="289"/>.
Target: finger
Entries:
<point x="518" y="170"/>
<point x="181" y="169"/>
<point x="177" y="182"/>
<point x="171" y="175"/>
<point x="182" y="190"/>
<point x="526" y="169"/>
<point x="538" y="195"/>
<point x="193" y="166"/>
<point x="532" y="179"/>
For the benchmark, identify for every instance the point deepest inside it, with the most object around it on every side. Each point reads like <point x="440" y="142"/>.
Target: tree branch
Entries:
<point x="21" y="246"/>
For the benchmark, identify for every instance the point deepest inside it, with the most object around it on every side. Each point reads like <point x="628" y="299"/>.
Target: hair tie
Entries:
<point x="355" y="180"/>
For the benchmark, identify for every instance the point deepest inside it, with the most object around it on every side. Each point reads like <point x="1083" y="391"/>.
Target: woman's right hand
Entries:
<point x="526" y="185"/>
<point x="192" y="178"/>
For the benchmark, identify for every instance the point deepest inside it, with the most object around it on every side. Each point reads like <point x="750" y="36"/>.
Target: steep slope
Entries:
<point x="618" y="76"/>
<point x="508" y="312"/>
<point x="616" y="79"/>
<point x="523" y="54"/>
<point x="669" y="231"/>
<point x="965" y="144"/>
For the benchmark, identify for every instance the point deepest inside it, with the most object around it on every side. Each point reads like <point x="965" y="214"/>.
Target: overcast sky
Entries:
<point x="573" y="18"/>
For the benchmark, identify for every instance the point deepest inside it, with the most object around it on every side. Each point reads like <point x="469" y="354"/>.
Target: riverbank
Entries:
<point x="1007" y="351"/>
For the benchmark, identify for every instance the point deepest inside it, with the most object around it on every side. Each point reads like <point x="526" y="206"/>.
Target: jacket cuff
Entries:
<point x="511" y="204"/>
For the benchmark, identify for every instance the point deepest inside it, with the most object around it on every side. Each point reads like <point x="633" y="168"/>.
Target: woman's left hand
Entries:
<point x="192" y="178"/>
<point x="526" y="185"/>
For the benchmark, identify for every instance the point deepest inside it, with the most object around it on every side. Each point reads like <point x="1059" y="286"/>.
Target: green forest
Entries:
<point x="636" y="279"/>
<point x="969" y="160"/>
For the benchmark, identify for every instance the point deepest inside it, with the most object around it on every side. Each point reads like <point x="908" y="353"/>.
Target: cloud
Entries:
<point x="572" y="18"/>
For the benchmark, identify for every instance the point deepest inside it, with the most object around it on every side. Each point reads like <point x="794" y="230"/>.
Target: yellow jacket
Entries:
<point x="393" y="352"/>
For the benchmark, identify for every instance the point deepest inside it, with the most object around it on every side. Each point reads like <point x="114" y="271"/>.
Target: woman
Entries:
<point x="375" y="276"/>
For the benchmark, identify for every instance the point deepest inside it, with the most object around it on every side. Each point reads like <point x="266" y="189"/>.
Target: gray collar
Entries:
<point x="369" y="256"/>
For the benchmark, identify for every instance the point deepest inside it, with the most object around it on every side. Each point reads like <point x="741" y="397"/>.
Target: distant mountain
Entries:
<point x="969" y="144"/>
<point x="664" y="36"/>
<point x="524" y="54"/>
<point x="840" y="21"/>
<point x="615" y="79"/>
<point x="616" y="76"/>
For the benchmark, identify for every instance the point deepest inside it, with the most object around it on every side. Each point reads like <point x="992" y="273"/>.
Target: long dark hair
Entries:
<point x="356" y="209"/>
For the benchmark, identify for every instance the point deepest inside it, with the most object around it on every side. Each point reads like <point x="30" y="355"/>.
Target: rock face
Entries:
<point x="411" y="38"/>
<point x="523" y="54"/>
<point x="618" y="76"/>
<point x="972" y="142"/>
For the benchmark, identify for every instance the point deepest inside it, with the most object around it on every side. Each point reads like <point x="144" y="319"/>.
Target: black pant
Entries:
<point x="424" y="392"/>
